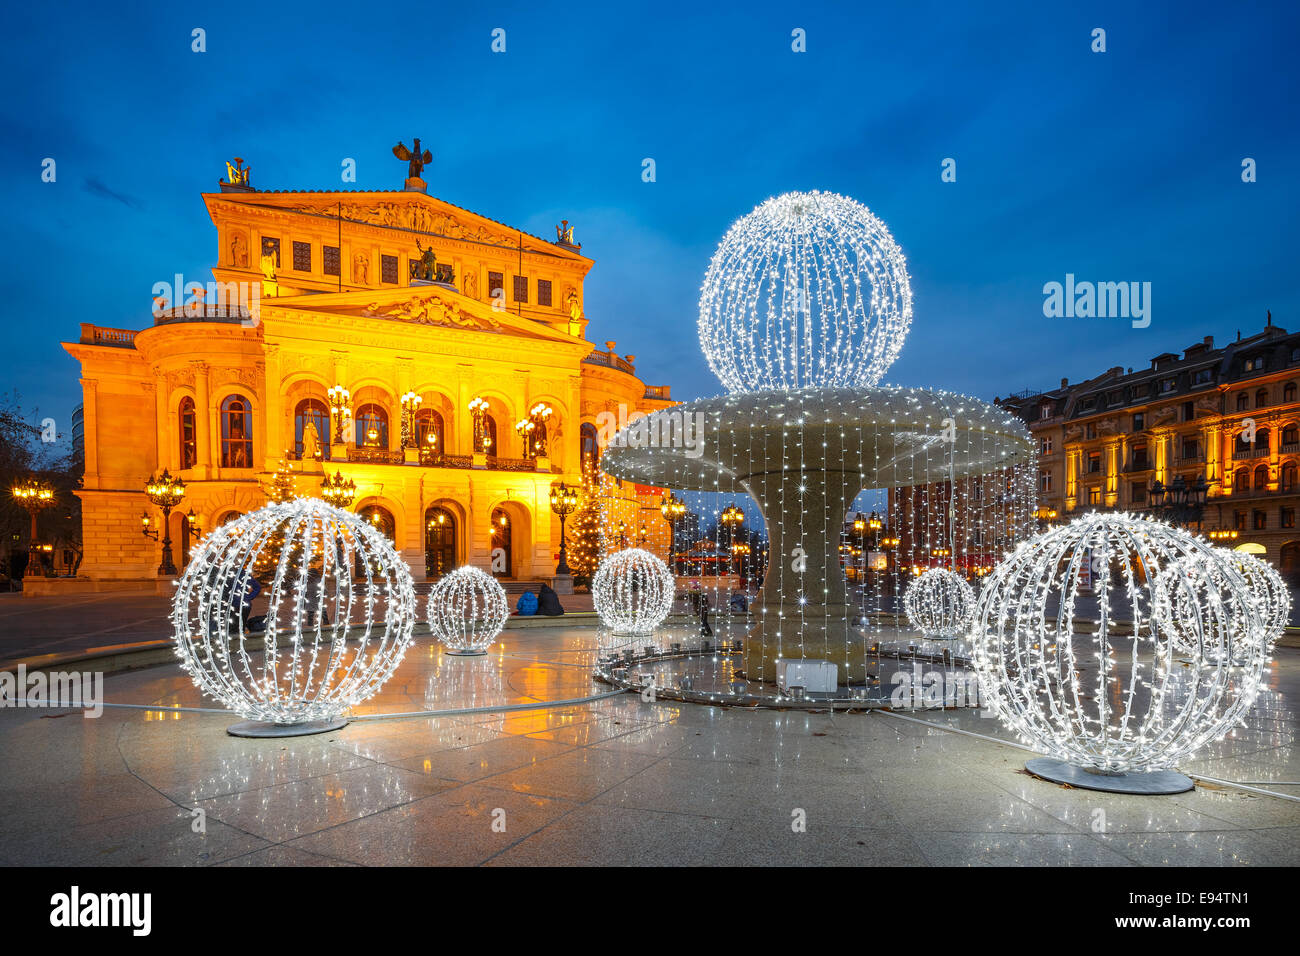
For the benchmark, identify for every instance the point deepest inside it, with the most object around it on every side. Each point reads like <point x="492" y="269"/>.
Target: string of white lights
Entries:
<point x="467" y="610"/>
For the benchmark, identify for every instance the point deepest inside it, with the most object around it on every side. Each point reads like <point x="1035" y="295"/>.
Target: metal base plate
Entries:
<point x="466" y="653"/>
<point x="264" y="728"/>
<point x="1153" y="782"/>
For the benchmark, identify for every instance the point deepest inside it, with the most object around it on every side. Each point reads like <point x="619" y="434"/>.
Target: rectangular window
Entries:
<point x="1045" y="481"/>
<point x="1168" y="384"/>
<point x="302" y="256"/>
<point x="1239" y="520"/>
<point x="1140" y="457"/>
<point x="1191" y="448"/>
<point x="330" y="260"/>
<point x="1288" y="517"/>
<point x="1045" y="446"/>
<point x="1090" y="430"/>
<point x="1138" y="493"/>
<point x="544" y="292"/>
<point x="1094" y="463"/>
<point x="1260" y="520"/>
<point x="1254" y="364"/>
<point x="497" y="286"/>
<point x="1189" y="411"/>
<point x="388" y="269"/>
<point x="1045" y="410"/>
<point x="1094" y="496"/>
<point x="521" y="288"/>
<point x="1139" y="422"/>
<point x="1203" y="376"/>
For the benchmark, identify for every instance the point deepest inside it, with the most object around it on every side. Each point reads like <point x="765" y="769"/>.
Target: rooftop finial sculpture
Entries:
<point x="414" y="158"/>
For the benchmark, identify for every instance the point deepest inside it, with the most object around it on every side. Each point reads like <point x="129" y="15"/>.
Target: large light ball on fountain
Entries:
<point x="808" y="290"/>
<point x="940" y="604"/>
<point x="633" y="591"/>
<point x="1070" y="657"/>
<point x="340" y="609"/>
<point x="467" y="610"/>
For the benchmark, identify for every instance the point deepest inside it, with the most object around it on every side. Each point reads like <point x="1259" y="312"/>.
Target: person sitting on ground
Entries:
<point x="548" y="602"/>
<point x="527" y="604"/>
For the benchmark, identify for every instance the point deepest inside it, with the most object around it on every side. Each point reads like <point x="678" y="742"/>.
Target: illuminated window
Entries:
<point x="302" y="256"/>
<point x="521" y="288"/>
<point x="496" y="286"/>
<point x="330" y="260"/>
<point x="236" y="432"/>
<point x="372" y="427"/>
<point x="1094" y="496"/>
<point x="544" y="292"/>
<point x="1259" y="520"/>
<point x="189" y="434"/>
<point x="1286" y="518"/>
<point x="429" y="424"/>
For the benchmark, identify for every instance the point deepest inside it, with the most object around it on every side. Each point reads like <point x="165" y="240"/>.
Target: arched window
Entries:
<point x="1261" y="398"/>
<point x="236" y="432"/>
<point x="1288" y="392"/>
<point x="372" y="427"/>
<point x="1261" y="478"/>
<point x="502" y="544"/>
<point x="315" y="412"/>
<point x="1290" y="435"/>
<point x="229" y="516"/>
<point x="381" y="519"/>
<point x="589" y="444"/>
<point x="439" y="542"/>
<point x="1288" y="476"/>
<point x="1261" y="437"/>
<point x="189" y="434"/>
<point x="1241" y="480"/>
<point x="485" y="435"/>
<point x="430" y="436"/>
<point x="1243" y="401"/>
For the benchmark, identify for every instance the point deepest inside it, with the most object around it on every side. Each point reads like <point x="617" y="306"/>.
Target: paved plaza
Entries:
<point x="503" y="775"/>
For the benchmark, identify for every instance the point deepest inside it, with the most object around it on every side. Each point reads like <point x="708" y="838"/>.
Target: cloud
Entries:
<point x="99" y="189"/>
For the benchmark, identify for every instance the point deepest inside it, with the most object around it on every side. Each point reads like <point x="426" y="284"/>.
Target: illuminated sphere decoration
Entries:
<point x="467" y="610"/>
<point x="339" y="607"/>
<point x="1269" y="588"/>
<point x="1071" y="655"/>
<point x="808" y="290"/>
<point x="940" y="604"/>
<point x="632" y="591"/>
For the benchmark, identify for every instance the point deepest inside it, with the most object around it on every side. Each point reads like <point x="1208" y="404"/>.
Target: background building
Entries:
<point x="1227" y="417"/>
<point x="453" y="401"/>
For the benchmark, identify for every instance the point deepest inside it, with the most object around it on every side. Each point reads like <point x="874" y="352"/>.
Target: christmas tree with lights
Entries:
<point x="583" y="540"/>
<point x="280" y="489"/>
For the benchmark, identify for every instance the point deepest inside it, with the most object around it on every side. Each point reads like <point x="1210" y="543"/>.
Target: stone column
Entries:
<point x="206" y="437"/>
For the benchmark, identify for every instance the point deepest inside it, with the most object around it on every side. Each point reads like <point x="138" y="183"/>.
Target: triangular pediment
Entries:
<point x="403" y="209"/>
<point x="431" y="305"/>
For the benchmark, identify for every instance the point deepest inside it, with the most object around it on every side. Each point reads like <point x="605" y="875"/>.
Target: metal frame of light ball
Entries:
<point x="1062" y="690"/>
<point x="940" y="604"/>
<point x="633" y="591"/>
<point x="467" y="610"/>
<point x="309" y="685"/>
<point x="1269" y="587"/>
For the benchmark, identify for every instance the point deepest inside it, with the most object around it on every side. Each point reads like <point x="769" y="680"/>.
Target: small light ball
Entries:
<point x="467" y="610"/>
<point x="940" y="604"/>
<point x="1069" y="647"/>
<point x="633" y="591"/>
<point x="340" y="609"/>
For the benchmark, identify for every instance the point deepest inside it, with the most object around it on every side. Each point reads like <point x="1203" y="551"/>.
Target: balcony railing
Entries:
<point x="101" y="335"/>
<point x="1246" y="454"/>
<point x="375" y="456"/>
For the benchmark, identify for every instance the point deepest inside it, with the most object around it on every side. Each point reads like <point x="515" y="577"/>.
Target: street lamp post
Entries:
<point x="166" y="493"/>
<point x="1179" y="502"/>
<point x="673" y="510"/>
<point x="35" y="496"/>
<point x="411" y="402"/>
<point x="564" y="501"/>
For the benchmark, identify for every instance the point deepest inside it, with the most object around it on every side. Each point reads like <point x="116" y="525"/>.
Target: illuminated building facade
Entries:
<point x="434" y="357"/>
<point x="1226" y="420"/>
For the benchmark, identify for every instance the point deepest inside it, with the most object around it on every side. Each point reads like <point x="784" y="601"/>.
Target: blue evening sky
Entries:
<point x="1124" y="165"/>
